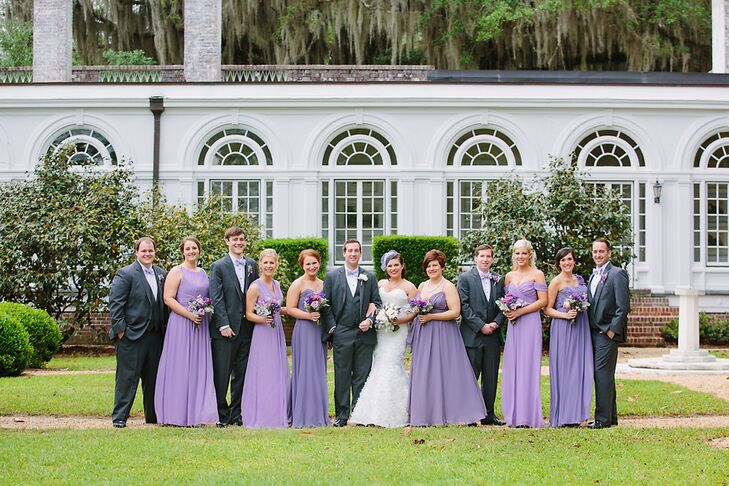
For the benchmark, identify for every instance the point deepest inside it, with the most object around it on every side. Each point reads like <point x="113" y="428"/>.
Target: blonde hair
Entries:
<point x="268" y="252"/>
<point x="523" y="243"/>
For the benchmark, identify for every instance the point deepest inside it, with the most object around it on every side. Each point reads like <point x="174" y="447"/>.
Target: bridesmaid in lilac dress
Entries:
<point x="521" y="400"/>
<point x="309" y="397"/>
<point x="443" y="388"/>
<point x="267" y="389"/>
<point x="570" y="348"/>
<point x="185" y="393"/>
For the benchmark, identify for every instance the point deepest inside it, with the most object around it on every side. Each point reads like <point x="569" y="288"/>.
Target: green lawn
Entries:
<point x="363" y="456"/>
<point x="82" y="363"/>
<point x="720" y="353"/>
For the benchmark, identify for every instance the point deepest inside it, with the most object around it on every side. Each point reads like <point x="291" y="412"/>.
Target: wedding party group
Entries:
<point x="192" y="338"/>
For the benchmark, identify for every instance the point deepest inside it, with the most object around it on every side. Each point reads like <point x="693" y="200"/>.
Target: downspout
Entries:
<point x="156" y="106"/>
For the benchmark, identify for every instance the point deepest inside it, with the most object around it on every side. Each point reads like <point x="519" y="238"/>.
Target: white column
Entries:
<point x="406" y="223"/>
<point x="680" y="256"/>
<point x="52" y="41"/>
<point x="281" y="205"/>
<point x="688" y="330"/>
<point x="203" y="31"/>
<point x="719" y="36"/>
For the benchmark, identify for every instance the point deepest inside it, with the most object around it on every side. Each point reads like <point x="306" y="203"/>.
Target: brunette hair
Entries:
<point x="395" y="256"/>
<point x="436" y="255"/>
<point x="142" y="240"/>
<point x="563" y="252"/>
<point x="344" y="246"/>
<point x="481" y="248"/>
<point x="234" y="231"/>
<point x="190" y="238"/>
<point x="603" y="240"/>
<point x="308" y="253"/>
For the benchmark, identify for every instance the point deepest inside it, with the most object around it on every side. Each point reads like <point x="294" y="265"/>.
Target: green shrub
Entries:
<point x="288" y="250"/>
<point x="413" y="249"/>
<point x="45" y="337"/>
<point x="710" y="331"/>
<point x="136" y="57"/>
<point x="15" y="348"/>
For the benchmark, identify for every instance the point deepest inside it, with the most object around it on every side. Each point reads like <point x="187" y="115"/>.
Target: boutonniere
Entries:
<point x="362" y="277"/>
<point x="603" y="277"/>
<point x="160" y="277"/>
<point x="495" y="278"/>
<point x="249" y="270"/>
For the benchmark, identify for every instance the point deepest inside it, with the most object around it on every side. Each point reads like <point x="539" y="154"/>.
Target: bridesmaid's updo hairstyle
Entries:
<point x="434" y="255"/>
<point x="268" y="252"/>
<point x="524" y="244"/>
<point x="387" y="258"/>
<point x="561" y="254"/>
<point x="190" y="238"/>
<point x="308" y="253"/>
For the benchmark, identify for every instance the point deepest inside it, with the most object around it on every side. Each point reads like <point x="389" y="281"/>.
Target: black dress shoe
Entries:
<point x="119" y="424"/>
<point x="472" y="424"/>
<point x="523" y="427"/>
<point x="238" y="422"/>
<point x="340" y="423"/>
<point x="492" y="421"/>
<point x="597" y="425"/>
<point x="220" y="425"/>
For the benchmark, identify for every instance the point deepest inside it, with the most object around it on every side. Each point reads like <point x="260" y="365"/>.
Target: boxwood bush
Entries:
<point x="45" y="337"/>
<point x="413" y="249"/>
<point x="288" y="250"/>
<point x="711" y="331"/>
<point x="15" y="348"/>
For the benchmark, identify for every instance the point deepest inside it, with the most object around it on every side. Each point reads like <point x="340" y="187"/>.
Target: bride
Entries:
<point x="384" y="398"/>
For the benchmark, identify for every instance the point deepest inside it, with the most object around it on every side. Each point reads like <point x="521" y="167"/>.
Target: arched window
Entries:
<point x="236" y="160"/>
<point x="611" y="154"/>
<point x="711" y="200"/>
<point x="88" y="144"/>
<point x="364" y="206"/>
<point x="475" y="153"/>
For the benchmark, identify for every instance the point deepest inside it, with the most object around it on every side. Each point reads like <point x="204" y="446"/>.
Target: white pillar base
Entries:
<point x="682" y="362"/>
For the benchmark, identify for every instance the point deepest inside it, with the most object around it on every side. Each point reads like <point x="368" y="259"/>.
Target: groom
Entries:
<point x="351" y="291"/>
<point x="230" y="331"/>
<point x="609" y="297"/>
<point x="479" y="290"/>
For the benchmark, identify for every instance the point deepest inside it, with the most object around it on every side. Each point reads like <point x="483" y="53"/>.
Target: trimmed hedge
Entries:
<point x="45" y="337"/>
<point x="15" y="348"/>
<point x="710" y="331"/>
<point x="413" y="249"/>
<point x="288" y="250"/>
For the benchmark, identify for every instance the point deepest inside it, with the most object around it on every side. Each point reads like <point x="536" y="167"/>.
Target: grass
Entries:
<point x="362" y="456"/>
<point x="93" y="394"/>
<point x="720" y="353"/>
<point x="82" y="363"/>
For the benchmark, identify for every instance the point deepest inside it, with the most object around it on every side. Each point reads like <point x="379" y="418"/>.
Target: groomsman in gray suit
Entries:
<point x="481" y="320"/>
<point x="138" y="318"/>
<point x="229" y="329"/>
<point x="354" y="300"/>
<point x="609" y="297"/>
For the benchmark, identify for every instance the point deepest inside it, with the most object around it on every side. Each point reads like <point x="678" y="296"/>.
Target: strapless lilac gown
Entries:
<point x="309" y="397"/>
<point x="267" y="390"/>
<point x="521" y="400"/>
<point x="185" y="393"/>
<point x="570" y="364"/>
<point x="443" y="388"/>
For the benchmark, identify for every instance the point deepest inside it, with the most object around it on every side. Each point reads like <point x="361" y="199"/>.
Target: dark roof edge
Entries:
<point x="578" y="77"/>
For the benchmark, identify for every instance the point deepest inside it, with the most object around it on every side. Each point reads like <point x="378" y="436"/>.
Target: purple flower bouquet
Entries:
<point x="316" y="302"/>
<point x="510" y="302"/>
<point x="199" y="306"/>
<point x="576" y="301"/>
<point x="419" y="306"/>
<point x="266" y="308"/>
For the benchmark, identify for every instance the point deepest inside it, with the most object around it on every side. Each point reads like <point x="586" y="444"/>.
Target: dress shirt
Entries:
<point x="352" y="277"/>
<point x="151" y="278"/>
<point x="596" y="276"/>
<point x="486" y="284"/>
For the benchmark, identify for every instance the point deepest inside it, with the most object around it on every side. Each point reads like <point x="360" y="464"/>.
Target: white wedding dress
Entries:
<point x="384" y="397"/>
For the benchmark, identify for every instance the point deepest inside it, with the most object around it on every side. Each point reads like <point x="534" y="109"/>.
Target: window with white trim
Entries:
<point x="88" y="144"/>
<point x="236" y="159"/>
<point x="711" y="201"/>
<point x="360" y="207"/>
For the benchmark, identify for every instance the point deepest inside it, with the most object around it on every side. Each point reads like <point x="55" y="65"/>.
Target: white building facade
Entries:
<point x="357" y="160"/>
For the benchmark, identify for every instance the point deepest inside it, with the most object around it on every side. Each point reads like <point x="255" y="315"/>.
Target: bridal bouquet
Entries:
<point x="576" y="301"/>
<point x="316" y="302"/>
<point x="510" y="302"/>
<point x="199" y="306"/>
<point x="266" y="308"/>
<point x="386" y="317"/>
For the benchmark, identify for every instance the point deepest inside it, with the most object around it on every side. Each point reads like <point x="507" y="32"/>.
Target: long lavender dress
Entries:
<point x="185" y="393"/>
<point x="570" y="364"/>
<point x="266" y="393"/>
<point x="443" y="388"/>
<point x="309" y="397"/>
<point x="521" y="401"/>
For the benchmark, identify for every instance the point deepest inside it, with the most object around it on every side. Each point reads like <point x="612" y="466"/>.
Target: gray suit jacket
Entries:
<point x="131" y="301"/>
<point x="476" y="311"/>
<point x="228" y="299"/>
<point x="610" y="305"/>
<point x="345" y="320"/>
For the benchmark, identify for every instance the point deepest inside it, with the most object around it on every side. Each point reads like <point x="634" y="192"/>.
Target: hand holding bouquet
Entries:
<point x="419" y="307"/>
<point x="510" y="303"/>
<point x="576" y="301"/>
<point x="268" y="308"/>
<point x="316" y="302"/>
<point x="199" y="306"/>
<point x="385" y="320"/>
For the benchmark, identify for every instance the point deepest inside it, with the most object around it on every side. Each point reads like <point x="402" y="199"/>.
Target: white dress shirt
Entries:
<point x="352" y="277"/>
<point x="151" y="278"/>
<point x="485" y="284"/>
